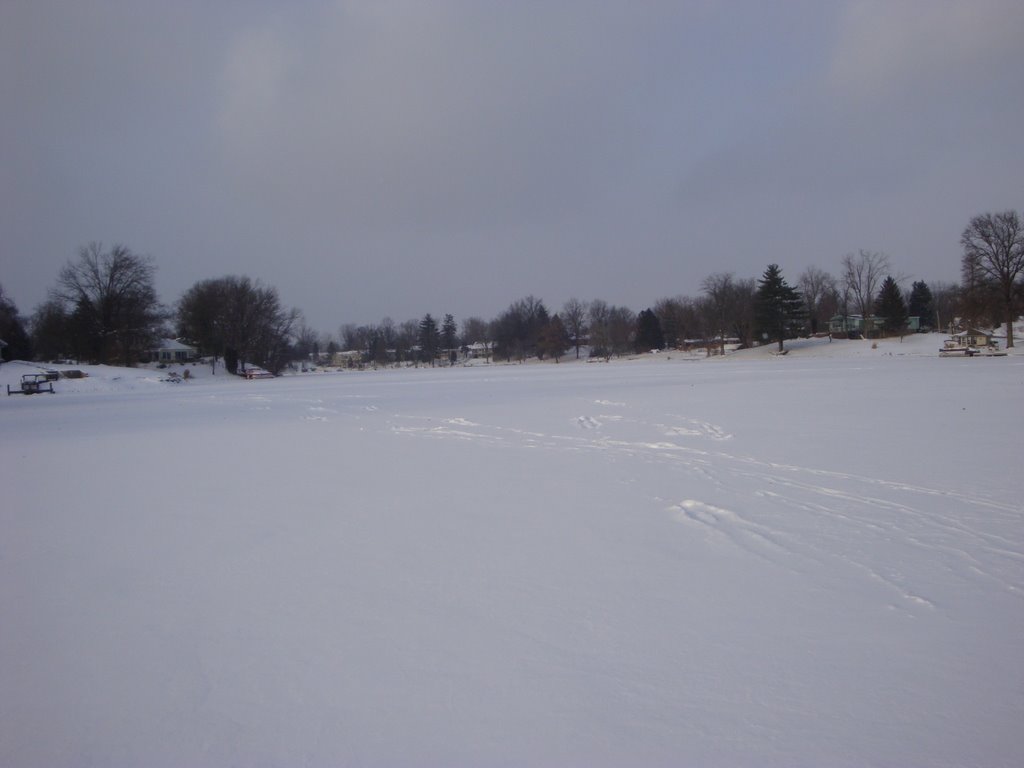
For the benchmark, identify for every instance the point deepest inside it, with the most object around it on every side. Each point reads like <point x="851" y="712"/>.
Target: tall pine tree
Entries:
<point x="449" y="338"/>
<point x="648" y="332"/>
<point x="429" y="338"/>
<point x="778" y="307"/>
<point x="921" y="304"/>
<point x="891" y="308"/>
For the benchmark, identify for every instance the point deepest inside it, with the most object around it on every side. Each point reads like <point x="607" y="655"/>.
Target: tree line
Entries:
<point x="103" y="308"/>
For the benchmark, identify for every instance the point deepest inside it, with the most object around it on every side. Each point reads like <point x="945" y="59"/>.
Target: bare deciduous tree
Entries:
<point x="111" y="303"/>
<point x="352" y="337"/>
<point x="621" y="329"/>
<point x="679" y="320"/>
<point x="717" y="288"/>
<point x="862" y="276"/>
<point x="819" y="290"/>
<point x="574" y="317"/>
<point x="742" y="302"/>
<point x="307" y="344"/>
<point x="51" y="334"/>
<point x="240" y="320"/>
<point x="946" y="301"/>
<point x="597" y="319"/>
<point x="730" y="307"/>
<point x="994" y="246"/>
<point x="516" y="330"/>
<point x="553" y="339"/>
<point x="476" y="330"/>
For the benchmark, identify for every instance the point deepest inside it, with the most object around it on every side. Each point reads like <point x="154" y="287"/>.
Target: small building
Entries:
<point x="350" y="358"/>
<point x="855" y="325"/>
<point x="972" y="337"/>
<point x="713" y="345"/>
<point x="477" y="350"/>
<point x="173" y="351"/>
<point x="969" y="343"/>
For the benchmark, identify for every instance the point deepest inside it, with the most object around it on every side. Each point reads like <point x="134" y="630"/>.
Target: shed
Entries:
<point x="972" y="337"/>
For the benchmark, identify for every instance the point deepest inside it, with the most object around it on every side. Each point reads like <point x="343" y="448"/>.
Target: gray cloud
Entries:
<point x="375" y="159"/>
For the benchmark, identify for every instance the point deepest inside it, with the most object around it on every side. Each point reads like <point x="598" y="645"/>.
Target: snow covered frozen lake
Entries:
<point x="815" y="559"/>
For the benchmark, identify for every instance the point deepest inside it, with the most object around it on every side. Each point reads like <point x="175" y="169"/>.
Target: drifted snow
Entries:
<point x="800" y="560"/>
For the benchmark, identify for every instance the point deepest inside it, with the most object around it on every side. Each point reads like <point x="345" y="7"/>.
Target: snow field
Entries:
<point x="758" y="560"/>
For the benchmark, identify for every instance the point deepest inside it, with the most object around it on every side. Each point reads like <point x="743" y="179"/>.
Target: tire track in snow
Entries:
<point x="675" y="452"/>
<point x="865" y="527"/>
<point x="763" y="542"/>
<point x="992" y="542"/>
<point x="932" y="533"/>
<point x="758" y="540"/>
<point x="694" y="428"/>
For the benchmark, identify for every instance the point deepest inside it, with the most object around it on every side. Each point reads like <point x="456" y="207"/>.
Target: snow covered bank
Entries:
<point x="811" y="559"/>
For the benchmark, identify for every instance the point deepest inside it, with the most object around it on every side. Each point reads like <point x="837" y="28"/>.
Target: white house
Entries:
<point x="173" y="351"/>
<point x="478" y="349"/>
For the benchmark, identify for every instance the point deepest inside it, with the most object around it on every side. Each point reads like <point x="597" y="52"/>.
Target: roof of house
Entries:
<point x="174" y="344"/>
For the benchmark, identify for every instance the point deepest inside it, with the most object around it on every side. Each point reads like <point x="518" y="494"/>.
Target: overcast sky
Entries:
<point x="374" y="159"/>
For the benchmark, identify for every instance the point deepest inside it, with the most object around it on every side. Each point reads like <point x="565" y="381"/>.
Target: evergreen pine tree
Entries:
<point x="921" y="304"/>
<point x="648" y="332"/>
<point x="449" y="338"/>
<point x="429" y="338"/>
<point x="890" y="307"/>
<point x="13" y="332"/>
<point x="778" y="307"/>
